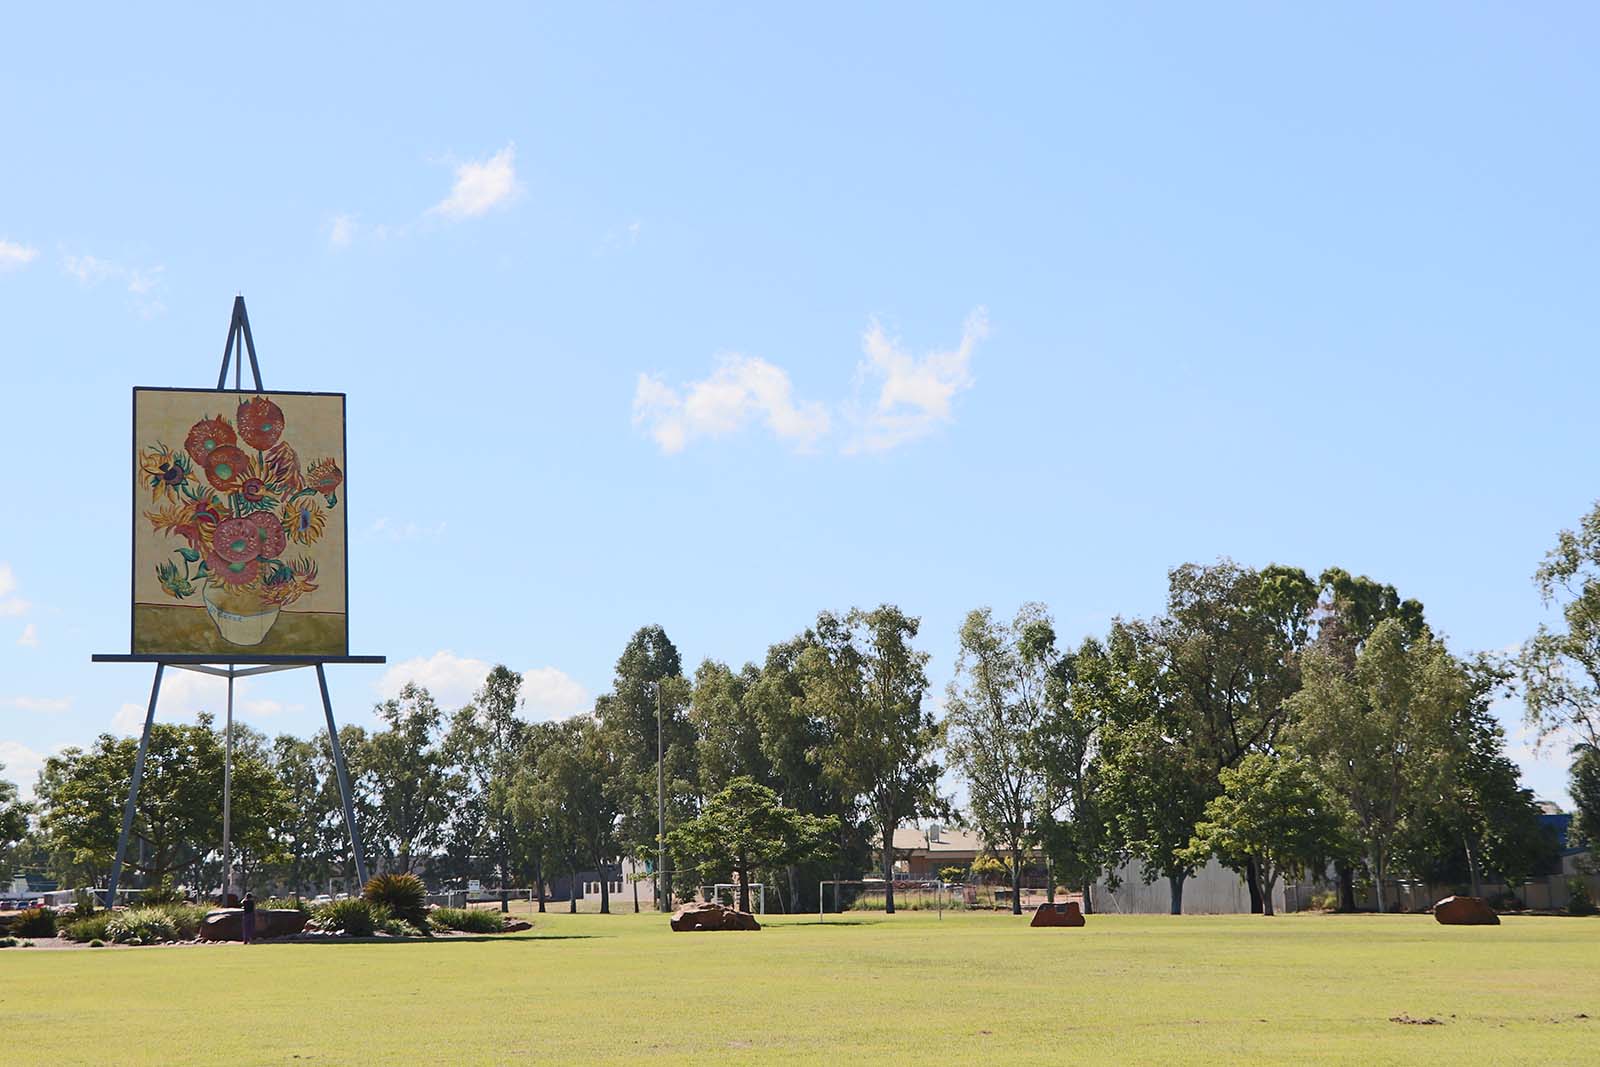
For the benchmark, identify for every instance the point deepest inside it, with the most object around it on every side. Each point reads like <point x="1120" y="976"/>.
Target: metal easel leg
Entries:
<point x="344" y="778"/>
<point x="133" y="789"/>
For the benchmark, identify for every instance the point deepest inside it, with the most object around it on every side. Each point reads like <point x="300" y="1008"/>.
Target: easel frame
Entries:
<point x="239" y="344"/>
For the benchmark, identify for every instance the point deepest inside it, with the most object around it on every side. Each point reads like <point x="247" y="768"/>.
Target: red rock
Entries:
<point x="227" y="924"/>
<point x="1067" y="914"/>
<point x="516" y="926"/>
<point x="703" y="915"/>
<point x="1465" y="911"/>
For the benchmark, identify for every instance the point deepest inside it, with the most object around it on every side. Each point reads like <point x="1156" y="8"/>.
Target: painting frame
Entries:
<point x="339" y="653"/>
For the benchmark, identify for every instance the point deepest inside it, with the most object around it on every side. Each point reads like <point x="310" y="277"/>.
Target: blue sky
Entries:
<point x="716" y="318"/>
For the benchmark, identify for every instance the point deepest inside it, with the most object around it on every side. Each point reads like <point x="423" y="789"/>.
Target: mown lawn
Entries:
<point x="594" y="989"/>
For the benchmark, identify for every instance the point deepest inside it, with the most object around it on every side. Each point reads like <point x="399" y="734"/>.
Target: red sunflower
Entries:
<point x="270" y="538"/>
<point x="206" y="436"/>
<point x="325" y="476"/>
<point x="260" y="422"/>
<point x="231" y="572"/>
<point x="227" y="467"/>
<point x="236" y="541"/>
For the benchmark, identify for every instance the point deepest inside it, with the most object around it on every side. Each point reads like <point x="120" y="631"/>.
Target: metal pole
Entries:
<point x="227" y="798"/>
<point x="661" y="809"/>
<point x="133" y="789"/>
<point x="344" y="778"/>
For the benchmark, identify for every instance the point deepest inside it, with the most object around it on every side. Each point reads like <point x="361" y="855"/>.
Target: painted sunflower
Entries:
<point x="173" y="582"/>
<point x="285" y="585"/>
<point x="193" y="520"/>
<point x="236" y="541"/>
<point x="206" y="436"/>
<point x="303" y="520"/>
<point x="166" y="470"/>
<point x="227" y="467"/>
<point x="325" y="476"/>
<point x="271" y="539"/>
<point x="233" y="572"/>
<point x="283" y="467"/>
<point x="260" y="422"/>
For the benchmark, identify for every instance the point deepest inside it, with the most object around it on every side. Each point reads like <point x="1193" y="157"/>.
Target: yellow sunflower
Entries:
<point x="303" y="520"/>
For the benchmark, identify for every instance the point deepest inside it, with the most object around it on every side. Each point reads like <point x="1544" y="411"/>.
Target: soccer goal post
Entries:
<point x="714" y="893"/>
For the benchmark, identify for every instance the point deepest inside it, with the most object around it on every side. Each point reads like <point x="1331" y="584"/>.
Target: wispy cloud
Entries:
<point x="481" y="186"/>
<point x="22" y="766"/>
<point x="10" y="605"/>
<point x="342" y="231"/>
<point x="30" y="636"/>
<point x="741" y="390"/>
<point x="914" y="394"/>
<point x="548" y="693"/>
<point x="15" y="256"/>
<point x="406" y="529"/>
<point x="912" y="397"/>
<point x="42" y="705"/>
<point x="142" y="283"/>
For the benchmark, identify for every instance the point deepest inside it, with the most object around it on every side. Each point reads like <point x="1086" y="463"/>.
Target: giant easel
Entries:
<point x="240" y="343"/>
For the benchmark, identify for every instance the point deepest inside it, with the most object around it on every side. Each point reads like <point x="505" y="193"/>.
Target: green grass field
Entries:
<point x="594" y="989"/>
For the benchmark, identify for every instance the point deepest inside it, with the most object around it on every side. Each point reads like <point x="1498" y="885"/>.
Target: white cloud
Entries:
<point x="742" y="389"/>
<point x="38" y="704"/>
<point x="342" y="232"/>
<point x="405" y="530"/>
<point x="481" y="186"/>
<point x="10" y="606"/>
<point x="14" y="256"/>
<point x="184" y="694"/>
<point x="22" y="766"/>
<point x="914" y="395"/>
<point x="142" y="282"/>
<point x="30" y="636"/>
<point x="452" y="680"/>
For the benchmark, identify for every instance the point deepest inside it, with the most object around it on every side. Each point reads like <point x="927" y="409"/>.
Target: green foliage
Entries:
<point x="1272" y="811"/>
<point x="952" y="874"/>
<point x="413" y="784"/>
<point x="163" y="892"/>
<point x="744" y="828"/>
<point x="13" y="823"/>
<point x="35" y="922"/>
<point x="1584" y="785"/>
<point x="142" y="926"/>
<point x="988" y="868"/>
<point x="1561" y="667"/>
<point x="97" y="943"/>
<point x="84" y="904"/>
<point x="90" y="928"/>
<point x="403" y="896"/>
<point x="1579" y="901"/>
<point x="353" y="916"/>
<point x="11" y="942"/>
<point x="288" y="904"/>
<point x="1324" y="900"/>
<point x="468" y="920"/>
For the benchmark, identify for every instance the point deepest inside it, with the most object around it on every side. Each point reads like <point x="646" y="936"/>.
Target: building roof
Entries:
<point x="935" y="839"/>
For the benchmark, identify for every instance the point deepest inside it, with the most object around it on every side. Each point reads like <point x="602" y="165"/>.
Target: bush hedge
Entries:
<point x="34" y="922"/>
<point x="89" y="928"/>
<point x="353" y="916"/>
<point x="468" y="920"/>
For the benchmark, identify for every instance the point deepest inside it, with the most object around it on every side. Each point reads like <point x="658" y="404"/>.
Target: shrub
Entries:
<point x="1505" y="901"/>
<point x="1579" y="902"/>
<point x="97" y="943"/>
<point x="83" y="904"/>
<point x="396" y="928"/>
<point x="288" y="904"/>
<point x="469" y="920"/>
<point x="952" y="874"/>
<point x="141" y="926"/>
<point x="185" y="918"/>
<point x="353" y="916"/>
<point x="90" y="928"/>
<point x="403" y="895"/>
<point x="163" y="892"/>
<point x="9" y="942"/>
<point x="35" y="922"/>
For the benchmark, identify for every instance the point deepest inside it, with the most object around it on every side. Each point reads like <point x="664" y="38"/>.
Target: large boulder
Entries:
<point x="703" y="915"/>
<point x="1067" y="914"/>
<point x="227" y="924"/>
<point x="1465" y="911"/>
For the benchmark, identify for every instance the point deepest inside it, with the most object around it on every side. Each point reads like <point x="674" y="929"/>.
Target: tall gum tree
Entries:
<point x="863" y="679"/>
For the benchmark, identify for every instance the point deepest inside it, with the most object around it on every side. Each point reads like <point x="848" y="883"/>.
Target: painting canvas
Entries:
<point x="239" y="528"/>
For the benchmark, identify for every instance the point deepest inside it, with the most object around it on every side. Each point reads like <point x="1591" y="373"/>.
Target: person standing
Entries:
<point x="247" y="922"/>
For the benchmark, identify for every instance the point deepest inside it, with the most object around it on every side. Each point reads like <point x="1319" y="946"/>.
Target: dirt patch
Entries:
<point x="1407" y="1020"/>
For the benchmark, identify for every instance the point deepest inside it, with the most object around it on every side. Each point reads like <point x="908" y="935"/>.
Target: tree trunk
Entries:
<point x="1266" y="890"/>
<point x="1472" y="866"/>
<point x="888" y="868"/>
<point x="572" y="892"/>
<point x="1347" y="887"/>
<point x="1252" y="883"/>
<point x="1016" y="881"/>
<point x="538" y="881"/>
<point x="505" y="877"/>
<point x="1049" y="880"/>
<point x="794" y="888"/>
<point x="744" y="884"/>
<point x="1378" y="872"/>
<point x="605" y="886"/>
<point x="635" y="882"/>
<point x="1088" y="896"/>
<point x="1175" y="892"/>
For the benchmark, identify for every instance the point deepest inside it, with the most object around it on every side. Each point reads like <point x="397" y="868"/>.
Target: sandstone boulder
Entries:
<point x="703" y="915"/>
<point x="227" y="924"/>
<point x="1465" y="911"/>
<point x="516" y="926"/>
<point x="1068" y="914"/>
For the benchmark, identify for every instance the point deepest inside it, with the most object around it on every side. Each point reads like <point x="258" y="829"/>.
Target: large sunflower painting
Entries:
<point x="239" y="523"/>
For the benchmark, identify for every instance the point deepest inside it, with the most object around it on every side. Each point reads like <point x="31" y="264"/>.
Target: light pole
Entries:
<point x="661" y="807"/>
<point x="227" y="797"/>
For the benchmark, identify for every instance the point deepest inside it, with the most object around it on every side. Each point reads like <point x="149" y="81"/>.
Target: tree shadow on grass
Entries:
<point x="468" y="939"/>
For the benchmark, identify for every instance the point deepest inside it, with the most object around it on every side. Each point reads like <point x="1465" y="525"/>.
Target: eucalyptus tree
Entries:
<point x="995" y="707"/>
<point x="864" y="680"/>
<point x="414" y="786"/>
<point x="1560" y="665"/>
<point x="13" y="823"/>
<point x="300" y="833"/>
<point x="483" y="742"/>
